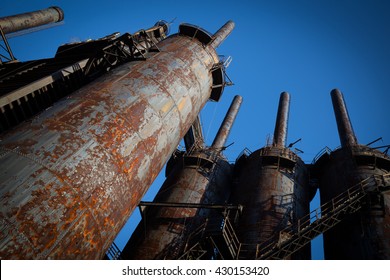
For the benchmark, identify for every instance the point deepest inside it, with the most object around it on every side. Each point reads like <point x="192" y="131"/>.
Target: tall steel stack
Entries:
<point x="70" y="178"/>
<point x="273" y="187"/>
<point x="365" y="234"/>
<point x="197" y="180"/>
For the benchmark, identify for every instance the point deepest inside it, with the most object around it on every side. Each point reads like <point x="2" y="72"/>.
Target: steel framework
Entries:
<point x="221" y="238"/>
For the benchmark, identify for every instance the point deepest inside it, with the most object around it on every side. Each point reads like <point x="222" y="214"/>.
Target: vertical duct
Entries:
<point x="222" y="33"/>
<point x="280" y="133"/>
<point x="224" y="129"/>
<point x="344" y="126"/>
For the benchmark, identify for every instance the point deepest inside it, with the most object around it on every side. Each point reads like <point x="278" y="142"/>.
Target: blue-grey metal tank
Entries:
<point x="71" y="177"/>
<point x="365" y="234"/>
<point x="202" y="176"/>
<point x="273" y="187"/>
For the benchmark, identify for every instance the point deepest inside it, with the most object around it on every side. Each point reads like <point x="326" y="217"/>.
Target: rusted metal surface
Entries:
<point x="222" y="33"/>
<point x="280" y="133"/>
<point x="227" y="123"/>
<point x="194" y="136"/>
<point x="27" y="88"/>
<point x="163" y="231"/>
<point x="200" y="177"/>
<point x="70" y="178"/>
<point x="344" y="126"/>
<point x="273" y="187"/>
<point x="24" y="21"/>
<point x="366" y="234"/>
<point x="274" y="191"/>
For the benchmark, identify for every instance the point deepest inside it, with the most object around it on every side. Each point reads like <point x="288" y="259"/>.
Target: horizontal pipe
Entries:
<point x="281" y="125"/>
<point x="191" y="205"/>
<point x="15" y="23"/>
<point x="344" y="126"/>
<point x="222" y="34"/>
<point x="227" y="123"/>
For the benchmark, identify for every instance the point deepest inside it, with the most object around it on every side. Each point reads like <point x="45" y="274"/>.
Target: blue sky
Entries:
<point x="306" y="48"/>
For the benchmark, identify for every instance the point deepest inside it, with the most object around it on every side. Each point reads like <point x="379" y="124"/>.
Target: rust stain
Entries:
<point x="83" y="166"/>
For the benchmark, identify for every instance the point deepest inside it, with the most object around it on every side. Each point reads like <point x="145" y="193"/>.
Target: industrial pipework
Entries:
<point x="226" y="126"/>
<point x="198" y="177"/>
<point x="71" y="177"/>
<point x="280" y="133"/>
<point x="29" y="20"/>
<point x="344" y="126"/>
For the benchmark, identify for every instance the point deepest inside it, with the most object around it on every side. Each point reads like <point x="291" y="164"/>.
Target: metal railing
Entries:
<point x="113" y="252"/>
<point x="293" y="237"/>
<point x="325" y="150"/>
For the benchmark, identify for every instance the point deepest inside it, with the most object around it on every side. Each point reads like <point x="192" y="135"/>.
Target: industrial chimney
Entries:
<point x="273" y="187"/>
<point x="363" y="234"/>
<point x="71" y="177"/>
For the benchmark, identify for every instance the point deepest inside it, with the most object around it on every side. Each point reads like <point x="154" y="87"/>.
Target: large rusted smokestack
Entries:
<point x="29" y="20"/>
<point x="280" y="133"/>
<point x="222" y="33"/>
<point x="224" y="129"/>
<point x="344" y="126"/>
<point x="70" y="178"/>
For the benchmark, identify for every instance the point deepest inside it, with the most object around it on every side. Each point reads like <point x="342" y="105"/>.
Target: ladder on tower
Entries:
<point x="294" y="237"/>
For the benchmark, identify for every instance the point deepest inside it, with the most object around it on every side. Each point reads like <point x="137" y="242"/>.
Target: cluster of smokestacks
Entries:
<point x="71" y="178"/>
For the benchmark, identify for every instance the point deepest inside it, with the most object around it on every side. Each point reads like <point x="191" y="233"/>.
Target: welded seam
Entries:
<point x="10" y="227"/>
<point x="46" y="252"/>
<point x="99" y="144"/>
<point x="3" y="152"/>
<point x="39" y="162"/>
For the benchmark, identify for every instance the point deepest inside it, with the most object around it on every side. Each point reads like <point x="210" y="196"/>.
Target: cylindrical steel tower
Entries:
<point x="363" y="235"/>
<point x="273" y="187"/>
<point x="29" y="20"/>
<point x="199" y="177"/>
<point x="70" y="178"/>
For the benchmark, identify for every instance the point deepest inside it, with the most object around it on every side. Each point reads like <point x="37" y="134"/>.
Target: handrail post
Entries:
<point x="299" y="227"/>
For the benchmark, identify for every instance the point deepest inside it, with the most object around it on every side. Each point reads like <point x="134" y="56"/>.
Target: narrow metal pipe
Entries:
<point x="29" y="20"/>
<point x="191" y="205"/>
<point x="222" y="34"/>
<point x="224" y="130"/>
<point x="280" y="133"/>
<point x="11" y="55"/>
<point x="344" y="126"/>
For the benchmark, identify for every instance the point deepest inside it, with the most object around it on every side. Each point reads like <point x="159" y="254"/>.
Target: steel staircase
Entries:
<point x="322" y="219"/>
<point x="290" y="239"/>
